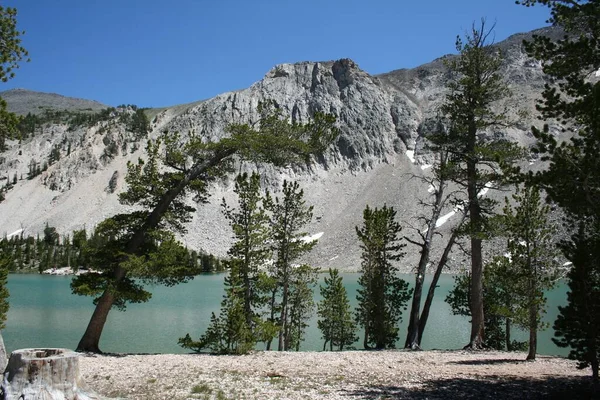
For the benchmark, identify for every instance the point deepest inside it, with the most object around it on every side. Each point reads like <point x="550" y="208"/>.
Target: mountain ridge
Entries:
<point x="382" y="120"/>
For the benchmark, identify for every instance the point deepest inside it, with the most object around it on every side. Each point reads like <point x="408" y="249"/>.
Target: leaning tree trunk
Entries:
<point x="436" y="278"/>
<point x="91" y="338"/>
<point x="44" y="374"/>
<point x="2" y="353"/>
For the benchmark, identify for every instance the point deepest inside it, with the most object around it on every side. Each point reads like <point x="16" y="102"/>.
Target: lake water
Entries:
<point x="44" y="313"/>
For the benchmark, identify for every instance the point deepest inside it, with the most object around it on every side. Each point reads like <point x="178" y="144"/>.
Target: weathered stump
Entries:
<point x="43" y="374"/>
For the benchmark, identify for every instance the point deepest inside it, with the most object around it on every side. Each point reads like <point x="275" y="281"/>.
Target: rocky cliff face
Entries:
<point x="381" y="118"/>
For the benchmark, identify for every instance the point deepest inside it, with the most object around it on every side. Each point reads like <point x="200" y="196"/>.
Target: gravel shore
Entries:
<point x="335" y="375"/>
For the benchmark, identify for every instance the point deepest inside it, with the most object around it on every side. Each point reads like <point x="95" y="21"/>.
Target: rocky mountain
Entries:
<point x="23" y="101"/>
<point x="382" y="120"/>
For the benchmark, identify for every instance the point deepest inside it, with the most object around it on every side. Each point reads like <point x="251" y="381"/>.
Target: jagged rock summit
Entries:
<point x="382" y="120"/>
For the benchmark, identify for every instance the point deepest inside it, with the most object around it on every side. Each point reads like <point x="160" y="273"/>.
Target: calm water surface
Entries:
<point x="44" y="313"/>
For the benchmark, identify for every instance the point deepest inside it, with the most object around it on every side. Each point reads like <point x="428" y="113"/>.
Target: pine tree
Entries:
<point x="459" y="299"/>
<point x="289" y="215"/>
<point x="533" y="266"/>
<point x="572" y="179"/>
<point x="577" y="326"/>
<point x="475" y="86"/>
<point x="249" y="223"/>
<point x="129" y="250"/>
<point x="335" y="316"/>
<point x="383" y="295"/>
<point x="301" y="304"/>
<point x="239" y="320"/>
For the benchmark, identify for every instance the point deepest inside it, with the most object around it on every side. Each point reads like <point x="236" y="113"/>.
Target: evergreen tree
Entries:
<point x="239" y="316"/>
<point x="289" y="214"/>
<point x="130" y="243"/>
<point x="572" y="179"/>
<point x="249" y="222"/>
<point x="335" y="316"/>
<point x="383" y="295"/>
<point x="301" y="304"/>
<point x="500" y="303"/>
<point x="475" y="86"/>
<point x="577" y="326"/>
<point x="533" y="267"/>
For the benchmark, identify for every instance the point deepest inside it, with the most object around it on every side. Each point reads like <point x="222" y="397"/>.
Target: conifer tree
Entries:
<point x="572" y="179"/>
<point x="475" y="158"/>
<point x="577" y="326"/>
<point x="250" y="251"/>
<point x="335" y="322"/>
<point x="533" y="266"/>
<point x="238" y="323"/>
<point x="288" y="216"/>
<point x="129" y="250"/>
<point x="301" y="305"/>
<point x="383" y="295"/>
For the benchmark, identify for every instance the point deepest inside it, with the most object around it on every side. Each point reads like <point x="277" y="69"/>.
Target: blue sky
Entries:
<point x="156" y="53"/>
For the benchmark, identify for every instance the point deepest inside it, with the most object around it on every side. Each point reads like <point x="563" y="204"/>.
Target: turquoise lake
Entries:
<point x="44" y="313"/>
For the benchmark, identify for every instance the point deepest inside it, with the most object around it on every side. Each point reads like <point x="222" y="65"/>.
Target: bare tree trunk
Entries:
<point x="477" y="318"/>
<point x="533" y="313"/>
<point x="436" y="278"/>
<point x="412" y="337"/>
<point x="283" y="319"/>
<point x="476" y="340"/>
<point x="272" y="305"/>
<point x="3" y="358"/>
<point x="507" y="335"/>
<point x="91" y="338"/>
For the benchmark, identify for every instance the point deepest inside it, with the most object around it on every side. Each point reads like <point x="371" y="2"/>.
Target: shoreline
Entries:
<point x="387" y="374"/>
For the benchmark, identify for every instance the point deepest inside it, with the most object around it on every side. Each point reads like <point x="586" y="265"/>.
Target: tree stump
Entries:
<point x="43" y="374"/>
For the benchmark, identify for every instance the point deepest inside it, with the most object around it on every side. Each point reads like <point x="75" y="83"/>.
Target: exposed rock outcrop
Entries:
<point x="380" y="118"/>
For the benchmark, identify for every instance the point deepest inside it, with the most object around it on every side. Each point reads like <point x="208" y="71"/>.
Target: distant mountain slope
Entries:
<point x="23" y="101"/>
<point x="382" y="120"/>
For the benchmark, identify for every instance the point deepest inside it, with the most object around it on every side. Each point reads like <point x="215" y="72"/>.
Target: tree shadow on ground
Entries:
<point x="490" y="361"/>
<point x="491" y="387"/>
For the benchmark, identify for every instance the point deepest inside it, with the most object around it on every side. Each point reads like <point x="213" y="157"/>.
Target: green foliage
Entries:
<point x="238" y="326"/>
<point x="578" y="323"/>
<point x="477" y="157"/>
<point x="335" y="316"/>
<point x="288" y="215"/>
<point x="383" y="295"/>
<point x="4" y="262"/>
<point x="11" y="54"/>
<point x="8" y="125"/>
<point x="301" y="305"/>
<point x="175" y="168"/>
<point x="533" y="267"/>
<point x="572" y="179"/>
<point x="11" y="51"/>
<point x="163" y="260"/>
<point x="140" y="125"/>
<point x="497" y="303"/>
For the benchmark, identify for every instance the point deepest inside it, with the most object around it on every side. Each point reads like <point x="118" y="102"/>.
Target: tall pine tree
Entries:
<point x="475" y="87"/>
<point x="572" y="179"/>
<point x="533" y="258"/>
<point x="289" y="214"/>
<point x="335" y="315"/>
<point x="383" y="294"/>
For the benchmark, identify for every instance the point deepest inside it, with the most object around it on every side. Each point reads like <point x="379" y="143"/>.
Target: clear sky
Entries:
<point x="158" y="53"/>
